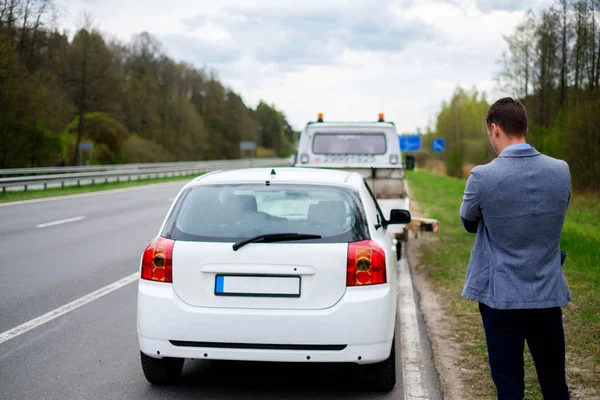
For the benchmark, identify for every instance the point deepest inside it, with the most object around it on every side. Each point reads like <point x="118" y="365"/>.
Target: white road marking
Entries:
<point x="410" y="337"/>
<point x="93" y="194"/>
<point x="34" y="323"/>
<point x="60" y="222"/>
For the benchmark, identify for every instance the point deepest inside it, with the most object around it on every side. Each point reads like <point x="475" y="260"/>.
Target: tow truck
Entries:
<point x="371" y="149"/>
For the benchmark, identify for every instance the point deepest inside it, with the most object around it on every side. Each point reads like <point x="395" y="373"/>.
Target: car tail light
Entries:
<point x="304" y="158"/>
<point x="366" y="264"/>
<point x="157" y="262"/>
<point x="393" y="159"/>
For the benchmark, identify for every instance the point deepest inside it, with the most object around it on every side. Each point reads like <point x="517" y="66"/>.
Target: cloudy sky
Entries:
<point x="349" y="59"/>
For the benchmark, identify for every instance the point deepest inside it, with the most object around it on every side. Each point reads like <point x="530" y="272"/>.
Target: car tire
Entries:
<point x="381" y="377"/>
<point x="398" y="250"/>
<point x="161" y="371"/>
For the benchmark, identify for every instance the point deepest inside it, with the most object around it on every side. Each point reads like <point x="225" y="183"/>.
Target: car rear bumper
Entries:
<point x="358" y="329"/>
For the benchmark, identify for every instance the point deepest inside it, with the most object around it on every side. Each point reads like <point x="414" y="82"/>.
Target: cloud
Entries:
<point x="348" y="59"/>
<point x="189" y="48"/>
<point x="506" y="5"/>
<point x="308" y="37"/>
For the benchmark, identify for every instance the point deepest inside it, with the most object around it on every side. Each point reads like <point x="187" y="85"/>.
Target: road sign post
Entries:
<point x="410" y="143"/>
<point x="85" y="146"/>
<point x="438" y="146"/>
<point x="247" y="146"/>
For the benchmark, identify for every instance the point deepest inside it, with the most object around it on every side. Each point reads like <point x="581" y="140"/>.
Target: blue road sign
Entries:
<point x="410" y="143"/>
<point x="437" y="145"/>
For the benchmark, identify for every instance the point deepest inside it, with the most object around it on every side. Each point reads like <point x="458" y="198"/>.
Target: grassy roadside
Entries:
<point x="445" y="262"/>
<point x="11" y="196"/>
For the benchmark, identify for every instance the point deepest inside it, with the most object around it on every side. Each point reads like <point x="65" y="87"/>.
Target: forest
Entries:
<point x="133" y="102"/>
<point x="552" y="66"/>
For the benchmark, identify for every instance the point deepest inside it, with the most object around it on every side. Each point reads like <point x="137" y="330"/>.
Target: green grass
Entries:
<point x="445" y="264"/>
<point x="10" y="196"/>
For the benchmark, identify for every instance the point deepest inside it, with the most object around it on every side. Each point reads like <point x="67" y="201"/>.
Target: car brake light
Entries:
<point x="157" y="262"/>
<point x="366" y="264"/>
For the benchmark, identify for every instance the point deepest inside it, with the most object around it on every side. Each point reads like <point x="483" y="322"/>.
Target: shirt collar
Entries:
<point x="519" y="146"/>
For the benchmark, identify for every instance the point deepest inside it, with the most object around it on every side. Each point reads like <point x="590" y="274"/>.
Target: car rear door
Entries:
<point x="311" y="274"/>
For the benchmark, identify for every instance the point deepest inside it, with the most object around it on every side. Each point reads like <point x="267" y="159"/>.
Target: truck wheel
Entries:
<point x="381" y="377"/>
<point x="161" y="371"/>
<point x="398" y="250"/>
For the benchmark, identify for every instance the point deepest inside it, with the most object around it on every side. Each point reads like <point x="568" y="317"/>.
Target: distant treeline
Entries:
<point x="553" y="67"/>
<point x="131" y="100"/>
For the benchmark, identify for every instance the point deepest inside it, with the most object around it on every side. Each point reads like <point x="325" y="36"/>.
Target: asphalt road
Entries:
<point x="54" y="252"/>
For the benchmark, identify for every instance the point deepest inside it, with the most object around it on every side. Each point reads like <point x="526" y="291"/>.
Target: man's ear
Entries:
<point x="496" y="131"/>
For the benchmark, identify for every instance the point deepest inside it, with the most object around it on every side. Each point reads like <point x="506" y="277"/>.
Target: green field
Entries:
<point x="445" y="263"/>
<point x="68" y="190"/>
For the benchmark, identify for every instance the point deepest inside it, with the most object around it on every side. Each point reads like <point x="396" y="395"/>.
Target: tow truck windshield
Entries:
<point x="345" y="143"/>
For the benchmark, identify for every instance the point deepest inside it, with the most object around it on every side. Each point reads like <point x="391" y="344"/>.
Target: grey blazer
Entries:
<point x="519" y="200"/>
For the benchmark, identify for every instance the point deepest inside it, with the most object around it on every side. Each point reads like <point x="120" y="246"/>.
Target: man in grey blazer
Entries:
<point x="516" y="205"/>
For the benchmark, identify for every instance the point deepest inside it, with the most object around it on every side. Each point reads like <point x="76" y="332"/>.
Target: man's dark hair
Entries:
<point x="510" y="115"/>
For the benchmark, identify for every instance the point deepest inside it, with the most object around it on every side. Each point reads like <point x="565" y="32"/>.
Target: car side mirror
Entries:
<point x="398" y="217"/>
<point x="410" y="162"/>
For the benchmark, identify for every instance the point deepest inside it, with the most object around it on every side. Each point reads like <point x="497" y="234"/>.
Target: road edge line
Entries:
<point x="60" y="311"/>
<point x="410" y="336"/>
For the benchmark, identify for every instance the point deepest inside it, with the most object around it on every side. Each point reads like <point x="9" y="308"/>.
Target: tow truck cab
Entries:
<point x="370" y="148"/>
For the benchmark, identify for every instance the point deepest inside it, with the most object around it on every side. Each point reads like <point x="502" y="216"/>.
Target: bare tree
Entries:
<point x="516" y="73"/>
<point x="24" y="26"/>
<point x="563" y="67"/>
<point x="546" y="60"/>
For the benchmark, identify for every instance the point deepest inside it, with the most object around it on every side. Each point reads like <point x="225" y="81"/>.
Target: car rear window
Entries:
<point x="224" y="213"/>
<point x="349" y="143"/>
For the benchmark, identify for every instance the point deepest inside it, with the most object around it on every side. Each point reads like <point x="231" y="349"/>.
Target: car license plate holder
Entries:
<point x="257" y="286"/>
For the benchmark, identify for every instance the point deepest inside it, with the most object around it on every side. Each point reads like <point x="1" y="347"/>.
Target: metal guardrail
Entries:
<point x="106" y="173"/>
<point x="114" y="167"/>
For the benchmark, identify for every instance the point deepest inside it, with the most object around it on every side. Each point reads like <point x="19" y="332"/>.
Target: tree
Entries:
<point x="92" y="77"/>
<point x="583" y="152"/>
<point x="563" y="65"/>
<point x="517" y="65"/>
<point x="562" y="108"/>
<point x="130" y="99"/>
<point x="461" y="123"/>
<point x="546" y="62"/>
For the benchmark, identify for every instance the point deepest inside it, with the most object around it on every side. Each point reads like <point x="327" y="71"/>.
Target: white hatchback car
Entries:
<point x="282" y="265"/>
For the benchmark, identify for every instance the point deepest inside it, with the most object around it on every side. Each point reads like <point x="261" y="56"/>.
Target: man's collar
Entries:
<point x="520" y="150"/>
<point x="518" y="146"/>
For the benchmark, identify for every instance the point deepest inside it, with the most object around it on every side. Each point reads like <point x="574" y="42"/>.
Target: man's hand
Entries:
<point x="470" y="211"/>
<point x="470" y="226"/>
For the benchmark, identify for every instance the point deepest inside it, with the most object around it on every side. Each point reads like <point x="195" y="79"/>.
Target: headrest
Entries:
<point x="328" y="212"/>
<point x="248" y="202"/>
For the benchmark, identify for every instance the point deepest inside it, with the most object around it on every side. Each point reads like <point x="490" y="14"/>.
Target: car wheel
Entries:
<point x="398" y="250"/>
<point x="381" y="377"/>
<point x="161" y="371"/>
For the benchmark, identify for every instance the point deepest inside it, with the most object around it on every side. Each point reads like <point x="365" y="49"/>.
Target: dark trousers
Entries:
<point x="506" y="332"/>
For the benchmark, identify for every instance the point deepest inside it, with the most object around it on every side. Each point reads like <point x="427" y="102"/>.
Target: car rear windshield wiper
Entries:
<point x="274" y="237"/>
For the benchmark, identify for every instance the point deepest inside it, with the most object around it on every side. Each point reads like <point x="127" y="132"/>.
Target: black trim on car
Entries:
<point x="260" y="346"/>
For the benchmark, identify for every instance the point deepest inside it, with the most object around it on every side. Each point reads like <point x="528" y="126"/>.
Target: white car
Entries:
<point x="282" y="265"/>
